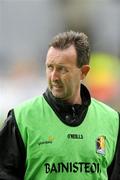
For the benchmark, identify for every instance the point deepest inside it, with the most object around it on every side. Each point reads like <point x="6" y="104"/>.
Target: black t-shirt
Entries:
<point x="12" y="149"/>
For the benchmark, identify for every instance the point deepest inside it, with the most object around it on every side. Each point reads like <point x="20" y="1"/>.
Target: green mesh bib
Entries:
<point x="56" y="151"/>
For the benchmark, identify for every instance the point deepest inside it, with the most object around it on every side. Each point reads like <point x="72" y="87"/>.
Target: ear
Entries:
<point x="84" y="71"/>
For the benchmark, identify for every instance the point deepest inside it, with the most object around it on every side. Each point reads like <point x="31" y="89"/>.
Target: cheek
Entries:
<point x="75" y="81"/>
<point x="68" y="82"/>
<point x="65" y="79"/>
<point x="48" y="76"/>
<point x="71" y="80"/>
<point x="48" y="80"/>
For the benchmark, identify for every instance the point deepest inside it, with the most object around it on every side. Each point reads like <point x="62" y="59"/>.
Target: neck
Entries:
<point x="75" y="100"/>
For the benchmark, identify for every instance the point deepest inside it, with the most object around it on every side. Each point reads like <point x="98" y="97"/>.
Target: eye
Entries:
<point x="63" y="69"/>
<point x="50" y="67"/>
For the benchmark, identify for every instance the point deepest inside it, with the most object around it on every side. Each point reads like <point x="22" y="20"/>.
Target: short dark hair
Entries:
<point x="80" y="42"/>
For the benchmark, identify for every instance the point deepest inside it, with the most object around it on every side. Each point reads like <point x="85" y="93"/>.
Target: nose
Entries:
<point x="55" y="75"/>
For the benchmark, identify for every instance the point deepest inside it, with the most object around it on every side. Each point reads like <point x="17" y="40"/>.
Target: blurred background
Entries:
<point x="26" y="28"/>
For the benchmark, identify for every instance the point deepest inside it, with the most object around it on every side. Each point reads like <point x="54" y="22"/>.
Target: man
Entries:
<point x="63" y="134"/>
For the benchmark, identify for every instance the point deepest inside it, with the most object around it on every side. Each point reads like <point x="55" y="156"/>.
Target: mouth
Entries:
<point x="57" y="86"/>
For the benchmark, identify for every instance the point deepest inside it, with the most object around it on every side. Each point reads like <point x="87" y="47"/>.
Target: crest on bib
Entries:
<point x="100" y="145"/>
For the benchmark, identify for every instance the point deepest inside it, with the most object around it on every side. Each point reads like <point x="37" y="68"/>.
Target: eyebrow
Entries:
<point x="65" y="65"/>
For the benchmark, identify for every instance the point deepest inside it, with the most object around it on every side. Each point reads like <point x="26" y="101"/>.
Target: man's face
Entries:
<point x="62" y="73"/>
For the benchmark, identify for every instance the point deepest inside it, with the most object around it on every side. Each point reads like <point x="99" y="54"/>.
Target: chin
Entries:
<point x="57" y="95"/>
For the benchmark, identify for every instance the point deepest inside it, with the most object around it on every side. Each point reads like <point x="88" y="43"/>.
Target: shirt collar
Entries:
<point x="85" y="96"/>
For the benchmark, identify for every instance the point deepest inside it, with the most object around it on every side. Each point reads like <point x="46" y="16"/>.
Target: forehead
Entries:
<point x="58" y="56"/>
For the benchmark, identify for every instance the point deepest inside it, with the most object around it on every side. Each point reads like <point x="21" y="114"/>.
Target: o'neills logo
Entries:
<point x="81" y="167"/>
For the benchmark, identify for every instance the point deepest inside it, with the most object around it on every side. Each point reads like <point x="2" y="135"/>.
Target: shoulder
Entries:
<point x="105" y="114"/>
<point x="29" y="107"/>
<point x="28" y="113"/>
<point x="28" y="104"/>
<point x="102" y="106"/>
